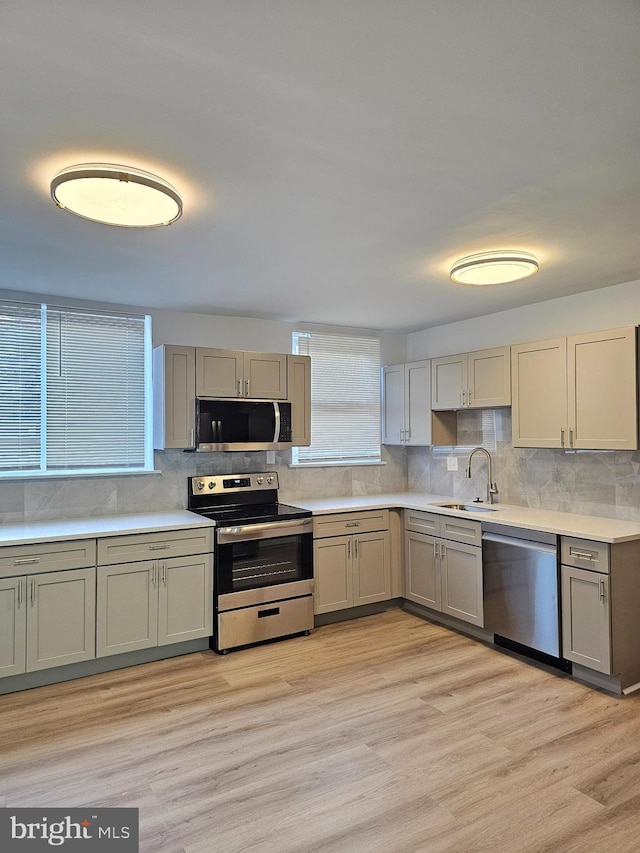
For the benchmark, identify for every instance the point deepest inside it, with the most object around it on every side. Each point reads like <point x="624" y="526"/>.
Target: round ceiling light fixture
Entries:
<point x="116" y="195"/>
<point x="494" y="268"/>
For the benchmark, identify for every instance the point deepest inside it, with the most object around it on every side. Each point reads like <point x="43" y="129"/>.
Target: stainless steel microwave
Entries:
<point x="243" y="424"/>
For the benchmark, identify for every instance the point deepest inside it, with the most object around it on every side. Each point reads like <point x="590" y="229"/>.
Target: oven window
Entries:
<point x="264" y="562"/>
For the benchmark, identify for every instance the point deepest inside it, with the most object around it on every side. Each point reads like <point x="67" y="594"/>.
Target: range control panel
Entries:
<point x="226" y="483"/>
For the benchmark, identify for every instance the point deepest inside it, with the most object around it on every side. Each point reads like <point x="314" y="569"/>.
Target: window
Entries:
<point x="345" y="399"/>
<point x="73" y="391"/>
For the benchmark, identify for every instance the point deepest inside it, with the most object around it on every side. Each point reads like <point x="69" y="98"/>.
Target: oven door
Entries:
<point x="258" y="556"/>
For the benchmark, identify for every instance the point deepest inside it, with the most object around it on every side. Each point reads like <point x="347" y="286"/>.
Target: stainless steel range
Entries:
<point x="263" y="559"/>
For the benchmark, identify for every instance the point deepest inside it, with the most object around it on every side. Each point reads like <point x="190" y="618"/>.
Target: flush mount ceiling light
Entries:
<point x="116" y="195"/>
<point x="494" y="268"/>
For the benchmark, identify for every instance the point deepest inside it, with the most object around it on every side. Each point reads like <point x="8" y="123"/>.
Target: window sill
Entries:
<point x="67" y="475"/>
<point x="335" y="464"/>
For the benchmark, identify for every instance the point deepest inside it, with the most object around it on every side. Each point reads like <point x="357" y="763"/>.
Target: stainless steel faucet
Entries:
<point x="492" y="488"/>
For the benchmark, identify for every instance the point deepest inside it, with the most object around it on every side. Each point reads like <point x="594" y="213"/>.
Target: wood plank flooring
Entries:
<point x="385" y="733"/>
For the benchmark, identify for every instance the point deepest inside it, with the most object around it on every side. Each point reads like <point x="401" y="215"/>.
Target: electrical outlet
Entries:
<point x="452" y="463"/>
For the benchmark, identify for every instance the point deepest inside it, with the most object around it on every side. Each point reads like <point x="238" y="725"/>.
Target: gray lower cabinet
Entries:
<point x="46" y="620"/>
<point x="586" y="618"/>
<point x="443" y="565"/>
<point x="153" y="603"/>
<point x="353" y="569"/>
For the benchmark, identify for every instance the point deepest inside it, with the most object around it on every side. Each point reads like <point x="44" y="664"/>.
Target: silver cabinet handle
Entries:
<point x="443" y="552"/>
<point x="164" y="573"/>
<point x="583" y="555"/>
<point x="239" y="388"/>
<point x="20" y="582"/>
<point x="352" y="524"/>
<point x="192" y="437"/>
<point x="407" y="435"/>
<point x="355" y="543"/>
<point x="435" y="551"/>
<point x="154" y="573"/>
<point x="468" y="398"/>
<point x="22" y="561"/>
<point x="33" y="591"/>
<point x="246" y="387"/>
<point x="561" y="436"/>
<point x="602" y="590"/>
<point x="349" y="549"/>
<point x="571" y="437"/>
<point x="158" y="547"/>
<point x="401" y="435"/>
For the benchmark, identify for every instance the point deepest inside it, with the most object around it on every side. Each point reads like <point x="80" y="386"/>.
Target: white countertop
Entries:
<point x="29" y="532"/>
<point x="563" y="523"/>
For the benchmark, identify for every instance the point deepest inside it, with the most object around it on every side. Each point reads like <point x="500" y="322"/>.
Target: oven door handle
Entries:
<point x="269" y="530"/>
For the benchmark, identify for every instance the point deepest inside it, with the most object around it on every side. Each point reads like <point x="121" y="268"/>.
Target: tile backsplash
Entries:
<point x="593" y="483"/>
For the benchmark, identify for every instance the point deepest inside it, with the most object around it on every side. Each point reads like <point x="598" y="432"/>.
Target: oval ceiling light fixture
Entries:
<point x="116" y="195"/>
<point x="494" y="268"/>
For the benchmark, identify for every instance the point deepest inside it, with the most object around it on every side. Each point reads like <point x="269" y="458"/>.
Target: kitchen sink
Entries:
<point x="466" y="507"/>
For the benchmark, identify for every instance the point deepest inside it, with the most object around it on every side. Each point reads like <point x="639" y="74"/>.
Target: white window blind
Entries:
<point x="345" y="398"/>
<point x="76" y="383"/>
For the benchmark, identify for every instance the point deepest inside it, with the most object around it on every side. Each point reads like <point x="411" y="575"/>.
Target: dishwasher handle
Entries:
<point x="519" y="543"/>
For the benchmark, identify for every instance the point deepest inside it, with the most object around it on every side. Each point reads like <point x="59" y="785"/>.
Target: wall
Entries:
<point x="38" y="500"/>
<point x="589" y="482"/>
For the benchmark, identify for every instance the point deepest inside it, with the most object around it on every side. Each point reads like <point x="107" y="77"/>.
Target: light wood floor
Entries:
<point x="381" y="734"/>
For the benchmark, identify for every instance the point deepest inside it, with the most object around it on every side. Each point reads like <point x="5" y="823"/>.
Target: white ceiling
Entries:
<point x="334" y="155"/>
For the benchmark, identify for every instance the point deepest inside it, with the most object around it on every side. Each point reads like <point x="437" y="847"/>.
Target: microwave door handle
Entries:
<point x="276" y="435"/>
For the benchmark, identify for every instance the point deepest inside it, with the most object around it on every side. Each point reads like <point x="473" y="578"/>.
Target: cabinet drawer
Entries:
<point x="350" y="522"/>
<point x="421" y="522"/>
<point x="147" y="546"/>
<point x="47" y="557"/>
<point x="584" y="554"/>
<point x="264" y="622"/>
<point x="461" y="530"/>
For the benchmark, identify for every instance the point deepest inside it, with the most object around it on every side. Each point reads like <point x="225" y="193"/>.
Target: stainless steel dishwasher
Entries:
<point x="521" y="591"/>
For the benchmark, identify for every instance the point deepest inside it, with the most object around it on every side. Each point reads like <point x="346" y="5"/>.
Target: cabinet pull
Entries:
<point x="443" y="551"/>
<point x="22" y="561"/>
<point x="352" y="524"/>
<point x="192" y="437"/>
<point x="435" y="551"/>
<point x="164" y="573"/>
<point x="602" y="592"/>
<point x="154" y="573"/>
<point x="582" y="554"/>
<point x="468" y="398"/>
<point x="239" y="388"/>
<point x="355" y="544"/>
<point x="349" y="549"/>
<point x="246" y="387"/>
<point x="571" y="437"/>
<point x="20" y="582"/>
<point x="561" y="436"/>
<point x="33" y="591"/>
<point x="407" y="435"/>
<point x="158" y="547"/>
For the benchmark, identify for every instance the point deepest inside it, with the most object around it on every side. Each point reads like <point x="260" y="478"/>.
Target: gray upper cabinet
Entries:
<point x="406" y="403"/>
<point x="231" y="373"/>
<point x="473" y="380"/>
<point x="174" y="397"/>
<point x="299" y="386"/>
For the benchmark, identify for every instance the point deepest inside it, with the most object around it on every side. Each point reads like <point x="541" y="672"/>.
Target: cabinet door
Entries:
<point x="393" y="404"/>
<point x="60" y="618"/>
<point x="333" y="574"/>
<point x="127" y="608"/>
<point x="185" y="599"/>
<point x="219" y="372"/>
<point x="489" y="378"/>
<point x="462" y="581"/>
<point x="299" y="387"/>
<point x="174" y="391"/>
<point x="539" y="394"/>
<point x="422" y="570"/>
<point x="13" y="626"/>
<point x="586" y="618"/>
<point x="371" y="568"/>
<point x="417" y="403"/>
<point x="448" y="381"/>
<point x="265" y="375"/>
<point x="602" y="390"/>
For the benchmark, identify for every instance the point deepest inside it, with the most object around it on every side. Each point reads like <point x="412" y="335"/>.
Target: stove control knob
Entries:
<point x="200" y="485"/>
<point x="269" y="480"/>
<point x="212" y="484"/>
<point x="260" y="481"/>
